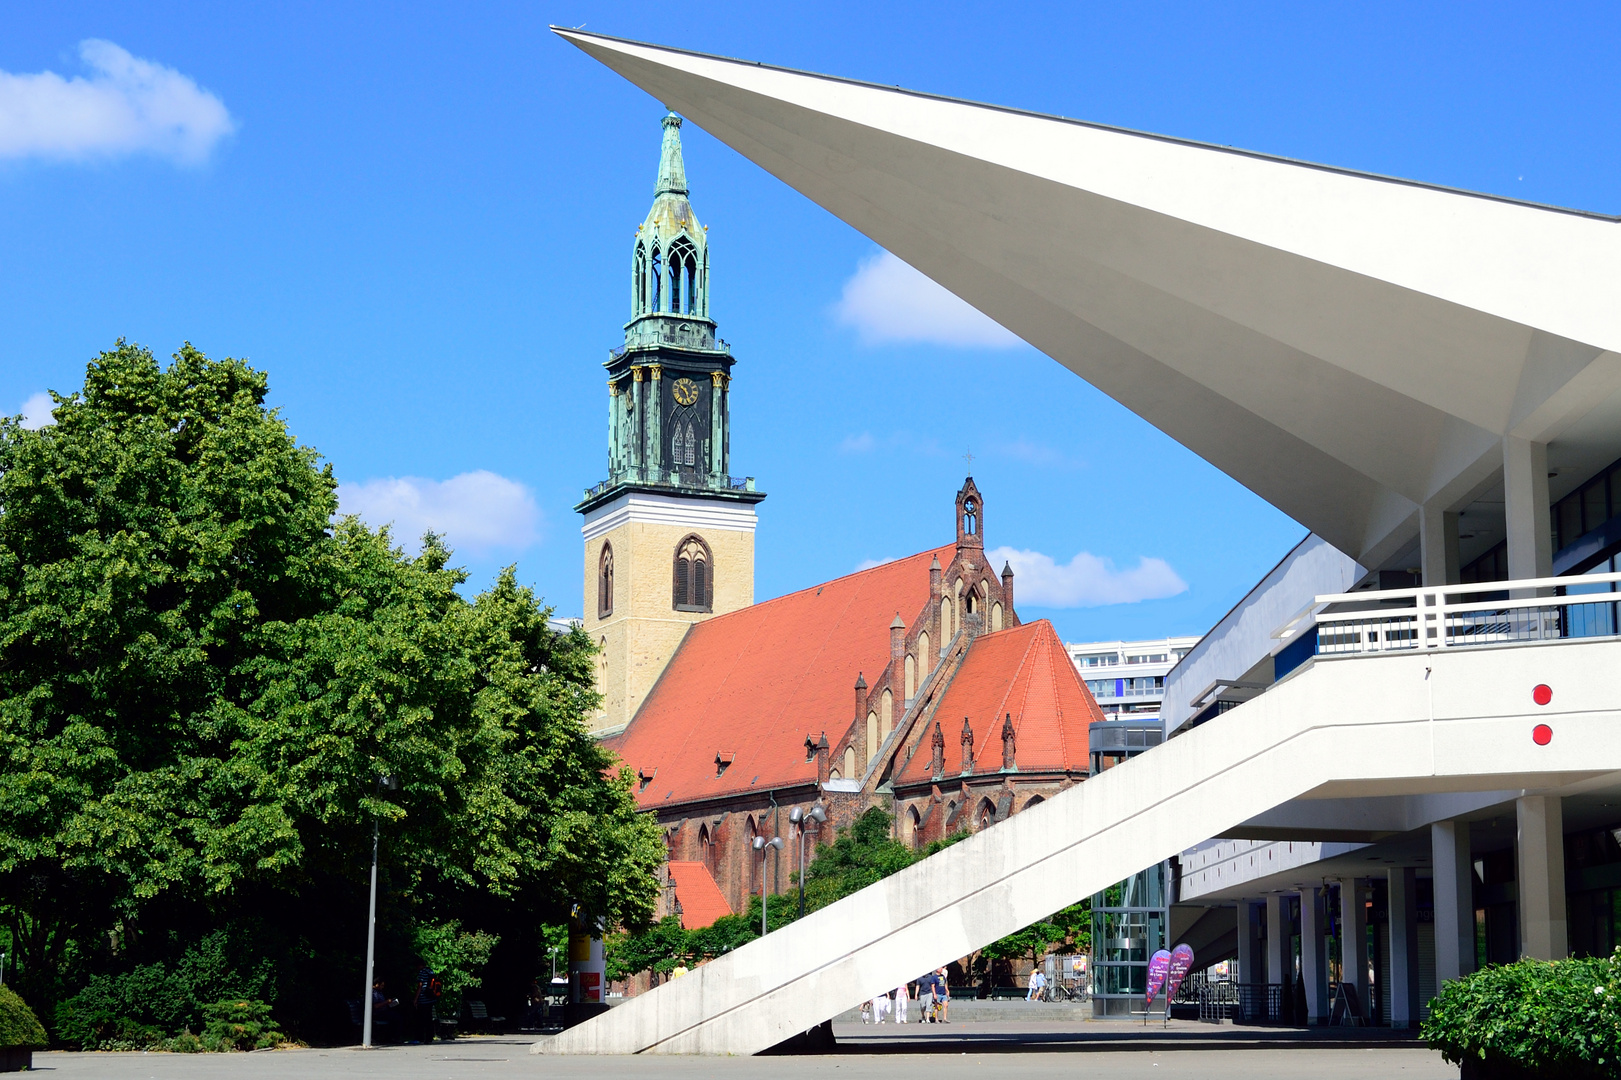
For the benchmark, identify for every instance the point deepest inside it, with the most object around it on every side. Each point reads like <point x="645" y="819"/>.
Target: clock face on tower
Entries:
<point x="685" y="392"/>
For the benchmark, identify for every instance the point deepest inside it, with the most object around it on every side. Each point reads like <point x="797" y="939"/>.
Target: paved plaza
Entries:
<point x="969" y="1051"/>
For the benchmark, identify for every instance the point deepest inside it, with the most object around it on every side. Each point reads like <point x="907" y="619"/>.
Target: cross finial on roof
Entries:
<point x="969" y="457"/>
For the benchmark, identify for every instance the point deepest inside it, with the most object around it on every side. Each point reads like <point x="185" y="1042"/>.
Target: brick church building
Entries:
<point x="912" y="685"/>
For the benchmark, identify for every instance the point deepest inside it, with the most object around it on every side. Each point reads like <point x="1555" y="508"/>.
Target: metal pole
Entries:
<point x="371" y="940"/>
<point x="763" y="853"/>
<point x="801" y="869"/>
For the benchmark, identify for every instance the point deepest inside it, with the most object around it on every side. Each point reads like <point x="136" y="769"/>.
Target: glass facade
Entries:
<point x="1128" y="926"/>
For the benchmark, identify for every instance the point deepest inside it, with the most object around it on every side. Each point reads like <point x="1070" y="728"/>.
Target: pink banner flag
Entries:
<point x="1159" y="965"/>
<point x="1181" y="964"/>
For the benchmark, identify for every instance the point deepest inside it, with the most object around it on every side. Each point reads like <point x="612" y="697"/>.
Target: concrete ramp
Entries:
<point x="1454" y="721"/>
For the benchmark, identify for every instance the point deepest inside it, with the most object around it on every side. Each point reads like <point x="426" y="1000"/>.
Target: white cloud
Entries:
<point x="36" y="411"/>
<point x="476" y="511"/>
<point x="868" y="564"/>
<point x="888" y="301"/>
<point x="1086" y="581"/>
<point x="126" y="106"/>
<point x="858" y="444"/>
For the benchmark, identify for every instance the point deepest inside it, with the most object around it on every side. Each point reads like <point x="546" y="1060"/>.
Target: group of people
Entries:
<point x="413" y="1020"/>
<point x="933" y="999"/>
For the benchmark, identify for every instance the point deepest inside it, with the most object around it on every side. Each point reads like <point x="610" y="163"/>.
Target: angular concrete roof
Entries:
<point x="1344" y="345"/>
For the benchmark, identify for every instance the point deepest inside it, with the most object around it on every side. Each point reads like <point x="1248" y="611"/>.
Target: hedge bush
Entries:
<point x="1560" y="1019"/>
<point x="18" y="1024"/>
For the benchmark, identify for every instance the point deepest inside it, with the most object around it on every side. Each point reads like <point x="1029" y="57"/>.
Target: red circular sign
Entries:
<point x="1542" y="694"/>
<point x="1542" y="734"/>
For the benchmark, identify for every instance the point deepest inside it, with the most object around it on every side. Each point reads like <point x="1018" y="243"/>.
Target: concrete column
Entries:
<point x="1541" y="876"/>
<point x="1251" y="967"/>
<point x="1454" y="899"/>
<point x="1354" y="936"/>
<point x="1277" y="940"/>
<point x="1314" y="955"/>
<point x="1403" y="947"/>
<point x="1525" y="498"/>
<point x="1438" y="545"/>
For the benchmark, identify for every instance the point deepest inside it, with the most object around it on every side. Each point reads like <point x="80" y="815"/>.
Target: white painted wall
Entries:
<point x="1243" y="637"/>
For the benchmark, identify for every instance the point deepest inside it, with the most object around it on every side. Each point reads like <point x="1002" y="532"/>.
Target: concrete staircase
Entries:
<point x="1373" y="725"/>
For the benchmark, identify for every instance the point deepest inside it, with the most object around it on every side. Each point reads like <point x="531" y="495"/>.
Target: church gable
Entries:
<point x="734" y="707"/>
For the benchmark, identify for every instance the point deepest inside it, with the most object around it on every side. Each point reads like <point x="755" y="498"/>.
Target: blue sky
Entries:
<point x="417" y="218"/>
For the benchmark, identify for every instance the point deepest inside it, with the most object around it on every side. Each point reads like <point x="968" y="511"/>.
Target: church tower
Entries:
<point x="669" y="535"/>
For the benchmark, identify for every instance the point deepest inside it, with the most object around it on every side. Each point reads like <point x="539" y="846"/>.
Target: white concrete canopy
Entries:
<point x="1349" y="347"/>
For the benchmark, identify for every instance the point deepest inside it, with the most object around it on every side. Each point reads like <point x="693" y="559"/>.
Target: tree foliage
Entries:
<point x="862" y="854"/>
<point x="202" y="678"/>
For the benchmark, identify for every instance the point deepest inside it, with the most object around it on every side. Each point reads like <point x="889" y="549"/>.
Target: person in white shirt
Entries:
<point x="901" y="998"/>
<point x="1038" y="983"/>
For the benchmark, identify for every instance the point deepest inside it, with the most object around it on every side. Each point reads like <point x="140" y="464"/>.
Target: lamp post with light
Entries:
<point x="384" y="783"/>
<point x="796" y="816"/>
<point x="763" y="846"/>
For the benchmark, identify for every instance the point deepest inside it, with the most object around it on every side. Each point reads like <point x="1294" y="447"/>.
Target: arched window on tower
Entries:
<point x="605" y="582"/>
<point x="655" y="280"/>
<point x="641" y="278"/>
<point x="694" y="575"/>
<point x="970" y="517"/>
<point x="683" y="271"/>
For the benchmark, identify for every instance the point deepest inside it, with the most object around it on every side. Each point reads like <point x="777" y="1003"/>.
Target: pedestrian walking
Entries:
<point x="901" y="998"/>
<point x="880" y="1008"/>
<point x="942" y="995"/>
<point x="925" y="999"/>
<point x="1038" y="983"/>
<point x="423" y="1001"/>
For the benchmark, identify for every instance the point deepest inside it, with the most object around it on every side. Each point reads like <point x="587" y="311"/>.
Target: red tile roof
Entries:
<point x="700" y="898"/>
<point x="754" y="683"/>
<point x="1024" y="672"/>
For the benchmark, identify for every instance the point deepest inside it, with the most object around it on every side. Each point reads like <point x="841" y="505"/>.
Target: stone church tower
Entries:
<point x="669" y="536"/>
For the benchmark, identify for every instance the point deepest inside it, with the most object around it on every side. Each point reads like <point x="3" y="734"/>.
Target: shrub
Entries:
<point x="1559" y="1019"/>
<point x="240" y="1025"/>
<point x="138" y="1008"/>
<point x="18" y="1024"/>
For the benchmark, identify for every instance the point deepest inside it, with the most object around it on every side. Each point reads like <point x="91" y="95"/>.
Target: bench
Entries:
<point x="480" y="1018"/>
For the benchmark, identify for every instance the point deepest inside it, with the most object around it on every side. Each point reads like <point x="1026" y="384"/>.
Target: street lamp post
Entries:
<point x="798" y="817"/>
<point x="384" y="783"/>
<point x="762" y="845"/>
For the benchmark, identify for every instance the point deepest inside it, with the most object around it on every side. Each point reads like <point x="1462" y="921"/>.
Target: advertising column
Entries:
<point x="587" y="989"/>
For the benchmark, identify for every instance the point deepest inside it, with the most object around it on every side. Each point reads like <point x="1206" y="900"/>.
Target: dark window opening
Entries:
<point x="605" y="583"/>
<point x="693" y="577"/>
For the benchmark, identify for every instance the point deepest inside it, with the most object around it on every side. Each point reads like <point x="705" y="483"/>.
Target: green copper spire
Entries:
<point x="669" y="385"/>
<point x="672" y="170"/>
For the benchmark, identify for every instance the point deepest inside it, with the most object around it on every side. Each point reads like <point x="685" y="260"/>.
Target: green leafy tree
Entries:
<point x="202" y="678"/>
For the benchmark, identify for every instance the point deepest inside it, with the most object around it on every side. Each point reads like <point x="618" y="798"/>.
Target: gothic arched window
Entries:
<point x="683" y="275"/>
<point x="605" y="582"/>
<point x="684" y="445"/>
<point x="641" y="278"/>
<point x="656" y="281"/>
<point x="694" y="575"/>
<point x="970" y="517"/>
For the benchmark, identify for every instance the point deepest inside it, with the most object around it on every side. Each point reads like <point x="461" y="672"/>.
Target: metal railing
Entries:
<point x="1523" y="612"/>
<point x="687" y="479"/>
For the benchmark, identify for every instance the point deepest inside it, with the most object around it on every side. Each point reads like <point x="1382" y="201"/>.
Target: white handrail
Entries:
<point x="1424" y="619"/>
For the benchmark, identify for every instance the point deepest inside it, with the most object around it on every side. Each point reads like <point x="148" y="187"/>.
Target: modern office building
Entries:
<point x="1427" y="689"/>
<point x="1127" y="679"/>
